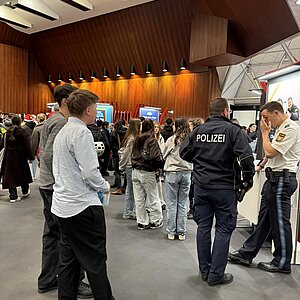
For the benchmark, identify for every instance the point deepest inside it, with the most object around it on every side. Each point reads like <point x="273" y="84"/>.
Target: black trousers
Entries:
<point x="274" y="215"/>
<point x="51" y="244"/>
<point x="83" y="244"/>
<point x="13" y="191"/>
<point x="104" y="163"/>
<point x="221" y="204"/>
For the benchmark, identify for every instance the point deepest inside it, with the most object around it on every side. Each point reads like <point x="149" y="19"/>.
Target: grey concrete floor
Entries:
<point x="142" y="265"/>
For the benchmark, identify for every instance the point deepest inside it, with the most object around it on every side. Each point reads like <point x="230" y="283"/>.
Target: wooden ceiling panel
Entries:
<point x="152" y="32"/>
<point x="257" y="24"/>
<point x="146" y="33"/>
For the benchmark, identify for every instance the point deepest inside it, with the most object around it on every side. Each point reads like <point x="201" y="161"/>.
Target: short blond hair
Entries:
<point x="41" y="117"/>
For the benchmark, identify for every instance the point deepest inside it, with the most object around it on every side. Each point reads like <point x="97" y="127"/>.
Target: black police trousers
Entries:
<point x="274" y="215"/>
<point x="51" y="245"/>
<point x="83" y="243"/>
<point x="223" y="205"/>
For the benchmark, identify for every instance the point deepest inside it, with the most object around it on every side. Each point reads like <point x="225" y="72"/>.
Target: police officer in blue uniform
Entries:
<point x="215" y="148"/>
<point x="282" y="157"/>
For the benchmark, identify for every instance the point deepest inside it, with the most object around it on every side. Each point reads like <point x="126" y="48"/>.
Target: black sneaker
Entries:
<point x="163" y="207"/>
<point x="227" y="278"/>
<point x="236" y="257"/>
<point x="84" y="291"/>
<point x="156" y="225"/>
<point x="143" y="227"/>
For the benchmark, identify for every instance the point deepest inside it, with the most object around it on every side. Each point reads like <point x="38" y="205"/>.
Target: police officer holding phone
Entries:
<point x="281" y="159"/>
<point x="215" y="148"/>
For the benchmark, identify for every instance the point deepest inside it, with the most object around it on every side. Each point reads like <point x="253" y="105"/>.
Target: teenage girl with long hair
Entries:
<point x="146" y="161"/>
<point x="125" y="165"/>
<point x="177" y="181"/>
<point x="161" y="143"/>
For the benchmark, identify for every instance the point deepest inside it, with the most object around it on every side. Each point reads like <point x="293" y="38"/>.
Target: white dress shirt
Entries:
<point x="75" y="170"/>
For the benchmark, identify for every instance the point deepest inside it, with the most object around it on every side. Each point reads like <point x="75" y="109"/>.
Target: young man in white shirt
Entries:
<point x="76" y="203"/>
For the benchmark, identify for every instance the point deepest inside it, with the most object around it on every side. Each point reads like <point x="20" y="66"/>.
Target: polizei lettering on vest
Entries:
<point x="210" y="138"/>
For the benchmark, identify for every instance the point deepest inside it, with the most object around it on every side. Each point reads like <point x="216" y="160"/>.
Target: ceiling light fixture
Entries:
<point x="8" y="15"/>
<point x="105" y="73"/>
<point x="132" y="70"/>
<point x="148" y="68"/>
<point x="286" y="58"/>
<point x="59" y="78"/>
<point x="93" y="74"/>
<point x="165" y="66"/>
<point x="83" y="5"/>
<point x="49" y="78"/>
<point x="182" y="63"/>
<point x="80" y="75"/>
<point x="118" y="71"/>
<point x="256" y="91"/>
<point x="36" y="7"/>
<point x="70" y="76"/>
<point x="279" y="72"/>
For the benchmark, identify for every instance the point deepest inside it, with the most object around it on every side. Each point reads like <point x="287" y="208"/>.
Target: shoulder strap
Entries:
<point x="119" y="141"/>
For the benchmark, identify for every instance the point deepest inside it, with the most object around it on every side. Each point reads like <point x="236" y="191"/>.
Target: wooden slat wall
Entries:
<point x="39" y="93"/>
<point x="186" y="94"/>
<point x="14" y="79"/>
<point x="13" y="37"/>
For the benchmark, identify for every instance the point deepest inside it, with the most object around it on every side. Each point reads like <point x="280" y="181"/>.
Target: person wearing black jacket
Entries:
<point x="106" y="155"/>
<point x="98" y="137"/>
<point x="146" y="161"/>
<point x="214" y="148"/>
<point x="293" y="110"/>
<point x="167" y="131"/>
<point x="116" y="140"/>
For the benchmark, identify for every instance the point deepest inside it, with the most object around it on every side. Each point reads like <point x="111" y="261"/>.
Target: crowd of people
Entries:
<point x="190" y="168"/>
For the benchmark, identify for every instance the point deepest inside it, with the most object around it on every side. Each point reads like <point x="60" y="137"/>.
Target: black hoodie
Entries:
<point x="116" y="140"/>
<point x="167" y="132"/>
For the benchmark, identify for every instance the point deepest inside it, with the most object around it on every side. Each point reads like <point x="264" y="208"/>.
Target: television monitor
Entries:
<point x="105" y="112"/>
<point x="150" y="113"/>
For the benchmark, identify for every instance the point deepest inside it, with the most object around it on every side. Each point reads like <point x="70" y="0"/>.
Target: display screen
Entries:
<point x="285" y="89"/>
<point x="105" y="112"/>
<point x="150" y="113"/>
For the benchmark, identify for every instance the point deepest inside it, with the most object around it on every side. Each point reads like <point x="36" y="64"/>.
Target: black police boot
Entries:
<point x="236" y="257"/>
<point x="269" y="267"/>
<point x="227" y="278"/>
<point x="84" y="291"/>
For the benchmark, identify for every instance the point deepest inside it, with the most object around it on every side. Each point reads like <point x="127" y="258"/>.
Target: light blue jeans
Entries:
<point x="145" y="191"/>
<point x="177" y="186"/>
<point x="129" y="207"/>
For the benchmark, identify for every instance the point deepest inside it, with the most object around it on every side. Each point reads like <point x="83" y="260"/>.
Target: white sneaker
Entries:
<point x="181" y="237"/>
<point x="15" y="200"/>
<point x="171" y="236"/>
<point x="27" y="194"/>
